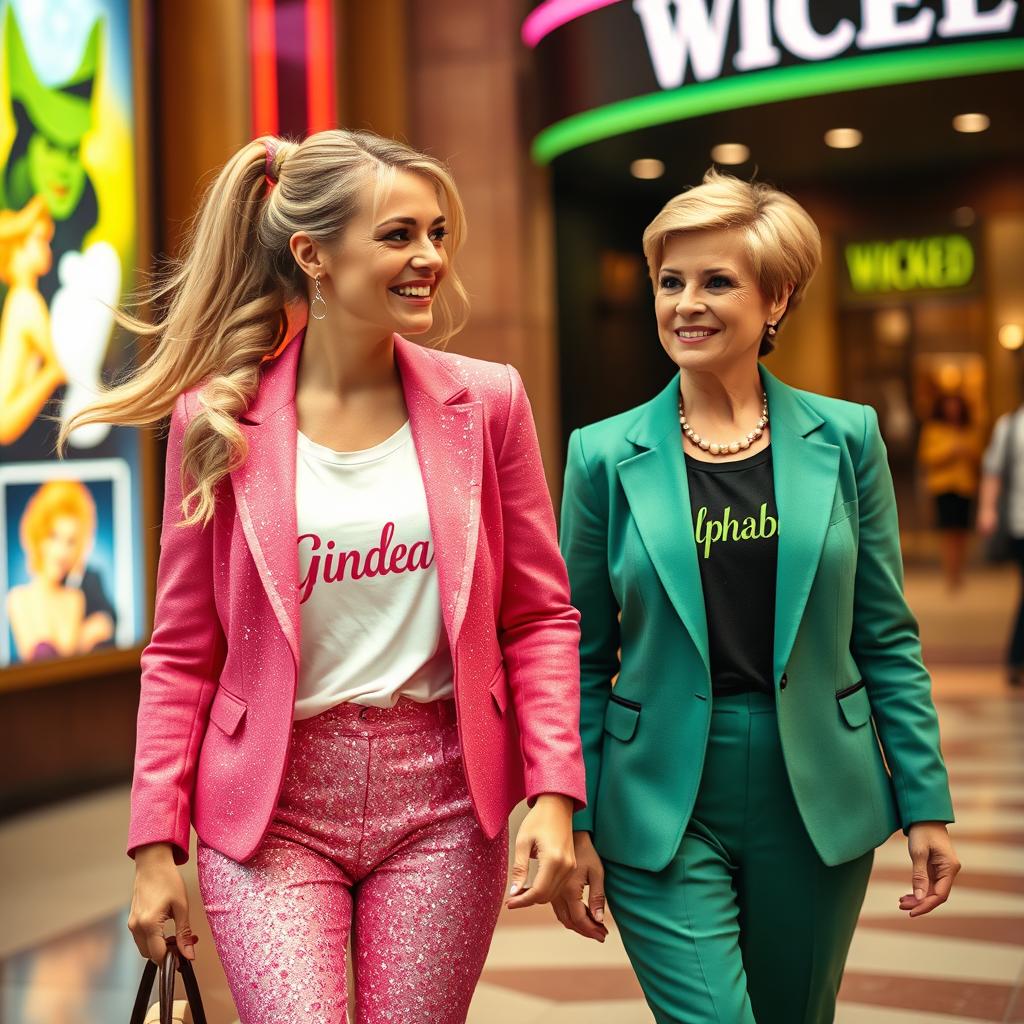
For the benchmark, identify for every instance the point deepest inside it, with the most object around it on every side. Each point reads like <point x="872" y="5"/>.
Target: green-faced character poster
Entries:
<point x="68" y="230"/>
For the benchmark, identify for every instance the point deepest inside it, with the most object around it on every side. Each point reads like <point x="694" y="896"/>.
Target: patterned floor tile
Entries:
<point x="974" y="1000"/>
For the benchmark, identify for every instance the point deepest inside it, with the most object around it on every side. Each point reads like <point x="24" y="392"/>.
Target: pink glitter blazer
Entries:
<point x="219" y="674"/>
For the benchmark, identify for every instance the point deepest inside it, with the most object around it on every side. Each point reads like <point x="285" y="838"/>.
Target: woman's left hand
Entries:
<point x="546" y="833"/>
<point x="935" y="866"/>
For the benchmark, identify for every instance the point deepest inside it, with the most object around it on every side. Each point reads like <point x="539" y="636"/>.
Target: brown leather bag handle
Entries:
<point x="172" y="963"/>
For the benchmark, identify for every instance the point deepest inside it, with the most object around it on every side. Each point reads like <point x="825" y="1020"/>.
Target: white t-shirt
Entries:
<point x="993" y="464"/>
<point x="369" y="600"/>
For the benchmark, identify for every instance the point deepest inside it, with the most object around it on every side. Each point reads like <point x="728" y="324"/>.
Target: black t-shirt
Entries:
<point x="736" y="527"/>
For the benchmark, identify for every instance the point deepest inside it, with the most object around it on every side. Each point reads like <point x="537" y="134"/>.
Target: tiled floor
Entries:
<point x="65" y="957"/>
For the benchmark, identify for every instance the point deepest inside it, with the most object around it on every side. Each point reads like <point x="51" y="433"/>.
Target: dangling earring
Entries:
<point x="772" y="327"/>
<point x="317" y="297"/>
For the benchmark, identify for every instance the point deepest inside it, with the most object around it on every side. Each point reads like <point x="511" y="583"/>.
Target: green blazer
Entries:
<point x="848" y="668"/>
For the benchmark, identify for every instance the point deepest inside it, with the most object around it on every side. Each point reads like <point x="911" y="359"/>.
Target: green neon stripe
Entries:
<point x="758" y="87"/>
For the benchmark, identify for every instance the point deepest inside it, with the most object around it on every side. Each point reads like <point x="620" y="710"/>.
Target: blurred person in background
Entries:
<point x="363" y="653"/>
<point x="1001" y="517"/>
<point x="733" y="549"/>
<point x="949" y="452"/>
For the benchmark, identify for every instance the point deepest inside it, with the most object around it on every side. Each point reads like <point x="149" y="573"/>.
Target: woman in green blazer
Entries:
<point x="733" y="549"/>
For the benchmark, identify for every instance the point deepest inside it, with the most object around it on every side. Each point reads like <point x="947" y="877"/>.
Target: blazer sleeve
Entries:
<point x="538" y="627"/>
<point x="584" y="543"/>
<point x="180" y="668"/>
<point x="887" y="648"/>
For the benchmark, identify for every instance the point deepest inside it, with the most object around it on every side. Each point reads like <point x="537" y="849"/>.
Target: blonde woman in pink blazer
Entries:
<point x="363" y="653"/>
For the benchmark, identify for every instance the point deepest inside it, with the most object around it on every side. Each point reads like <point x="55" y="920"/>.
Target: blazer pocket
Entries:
<point x="227" y="711"/>
<point x="854" y="704"/>
<point x="499" y="689"/>
<point x="621" y="717"/>
<point x="842" y="512"/>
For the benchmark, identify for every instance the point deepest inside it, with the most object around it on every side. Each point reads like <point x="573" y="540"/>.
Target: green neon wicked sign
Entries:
<point x="909" y="264"/>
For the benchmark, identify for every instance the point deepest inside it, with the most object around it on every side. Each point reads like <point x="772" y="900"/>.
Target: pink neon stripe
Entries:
<point x="264" y="67"/>
<point x="552" y="14"/>
<point x="320" y="47"/>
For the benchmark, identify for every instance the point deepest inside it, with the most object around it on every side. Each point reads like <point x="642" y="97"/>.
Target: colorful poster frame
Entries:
<point x="74" y="180"/>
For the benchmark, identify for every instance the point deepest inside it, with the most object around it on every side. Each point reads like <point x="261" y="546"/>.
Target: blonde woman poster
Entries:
<point x="66" y="560"/>
<point x="48" y="616"/>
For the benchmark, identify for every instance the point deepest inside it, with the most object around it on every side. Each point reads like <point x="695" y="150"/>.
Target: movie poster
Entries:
<point x="72" y="565"/>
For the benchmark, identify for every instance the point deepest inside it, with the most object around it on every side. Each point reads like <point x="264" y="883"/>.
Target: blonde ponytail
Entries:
<point x="225" y="298"/>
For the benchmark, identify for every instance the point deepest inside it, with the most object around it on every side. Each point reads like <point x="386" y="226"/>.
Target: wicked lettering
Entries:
<point x="906" y="264"/>
<point x="694" y="34"/>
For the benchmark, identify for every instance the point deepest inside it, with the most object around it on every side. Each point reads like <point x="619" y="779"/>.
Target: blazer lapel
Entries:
<point x="806" y="468"/>
<point x="655" y="485"/>
<point x="264" y="489"/>
<point x="449" y="441"/>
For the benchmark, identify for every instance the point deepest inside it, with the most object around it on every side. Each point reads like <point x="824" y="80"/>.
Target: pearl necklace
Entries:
<point x="724" y="449"/>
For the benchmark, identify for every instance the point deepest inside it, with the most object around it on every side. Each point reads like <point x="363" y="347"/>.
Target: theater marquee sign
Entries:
<point x="613" y="66"/>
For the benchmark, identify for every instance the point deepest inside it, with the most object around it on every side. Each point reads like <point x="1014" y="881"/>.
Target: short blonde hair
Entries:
<point x="783" y="243"/>
<point x="56" y="499"/>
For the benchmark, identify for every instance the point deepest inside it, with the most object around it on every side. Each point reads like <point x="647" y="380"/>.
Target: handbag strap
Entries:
<point x="195" y="1001"/>
<point x="145" y="989"/>
<point x="172" y="962"/>
<point x="166" y="986"/>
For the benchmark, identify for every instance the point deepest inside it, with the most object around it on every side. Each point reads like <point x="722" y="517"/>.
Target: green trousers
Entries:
<point x="746" y="924"/>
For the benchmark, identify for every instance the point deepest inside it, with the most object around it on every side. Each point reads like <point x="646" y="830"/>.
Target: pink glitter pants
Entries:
<point x="374" y="833"/>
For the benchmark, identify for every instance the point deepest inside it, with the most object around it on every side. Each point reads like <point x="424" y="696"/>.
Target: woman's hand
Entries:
<point x="159" y="895"/>
<point x="935" y="865"/>
<point x="988" y="520"/>
<point x="546" y="833"/>
<point x="587" y="918"/>
<point x="988" y="504"/>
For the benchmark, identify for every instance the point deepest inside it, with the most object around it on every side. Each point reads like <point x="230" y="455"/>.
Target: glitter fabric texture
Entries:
<point x="374" y="832"/>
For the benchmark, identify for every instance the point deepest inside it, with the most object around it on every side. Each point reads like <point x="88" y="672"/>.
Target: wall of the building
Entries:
<point x="1004" y="259"/>
<point x="201" y="103"/>
<point x="806" y="355"/>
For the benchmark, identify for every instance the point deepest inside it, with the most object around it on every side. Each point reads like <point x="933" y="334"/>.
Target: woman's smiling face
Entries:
<point x="387" y="265"/>
<point x="711" y="312"/>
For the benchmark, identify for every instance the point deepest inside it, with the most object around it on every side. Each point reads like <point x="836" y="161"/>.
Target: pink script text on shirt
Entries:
<point x="380" y="560"/>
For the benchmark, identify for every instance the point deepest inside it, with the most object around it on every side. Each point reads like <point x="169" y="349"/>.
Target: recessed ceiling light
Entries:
<point x="971" y="122"/>
<point x="730" y="153"/>
<point x="647" y="168"/>
<point x="1011" y="336"/>
<point x="843" y="138"/>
